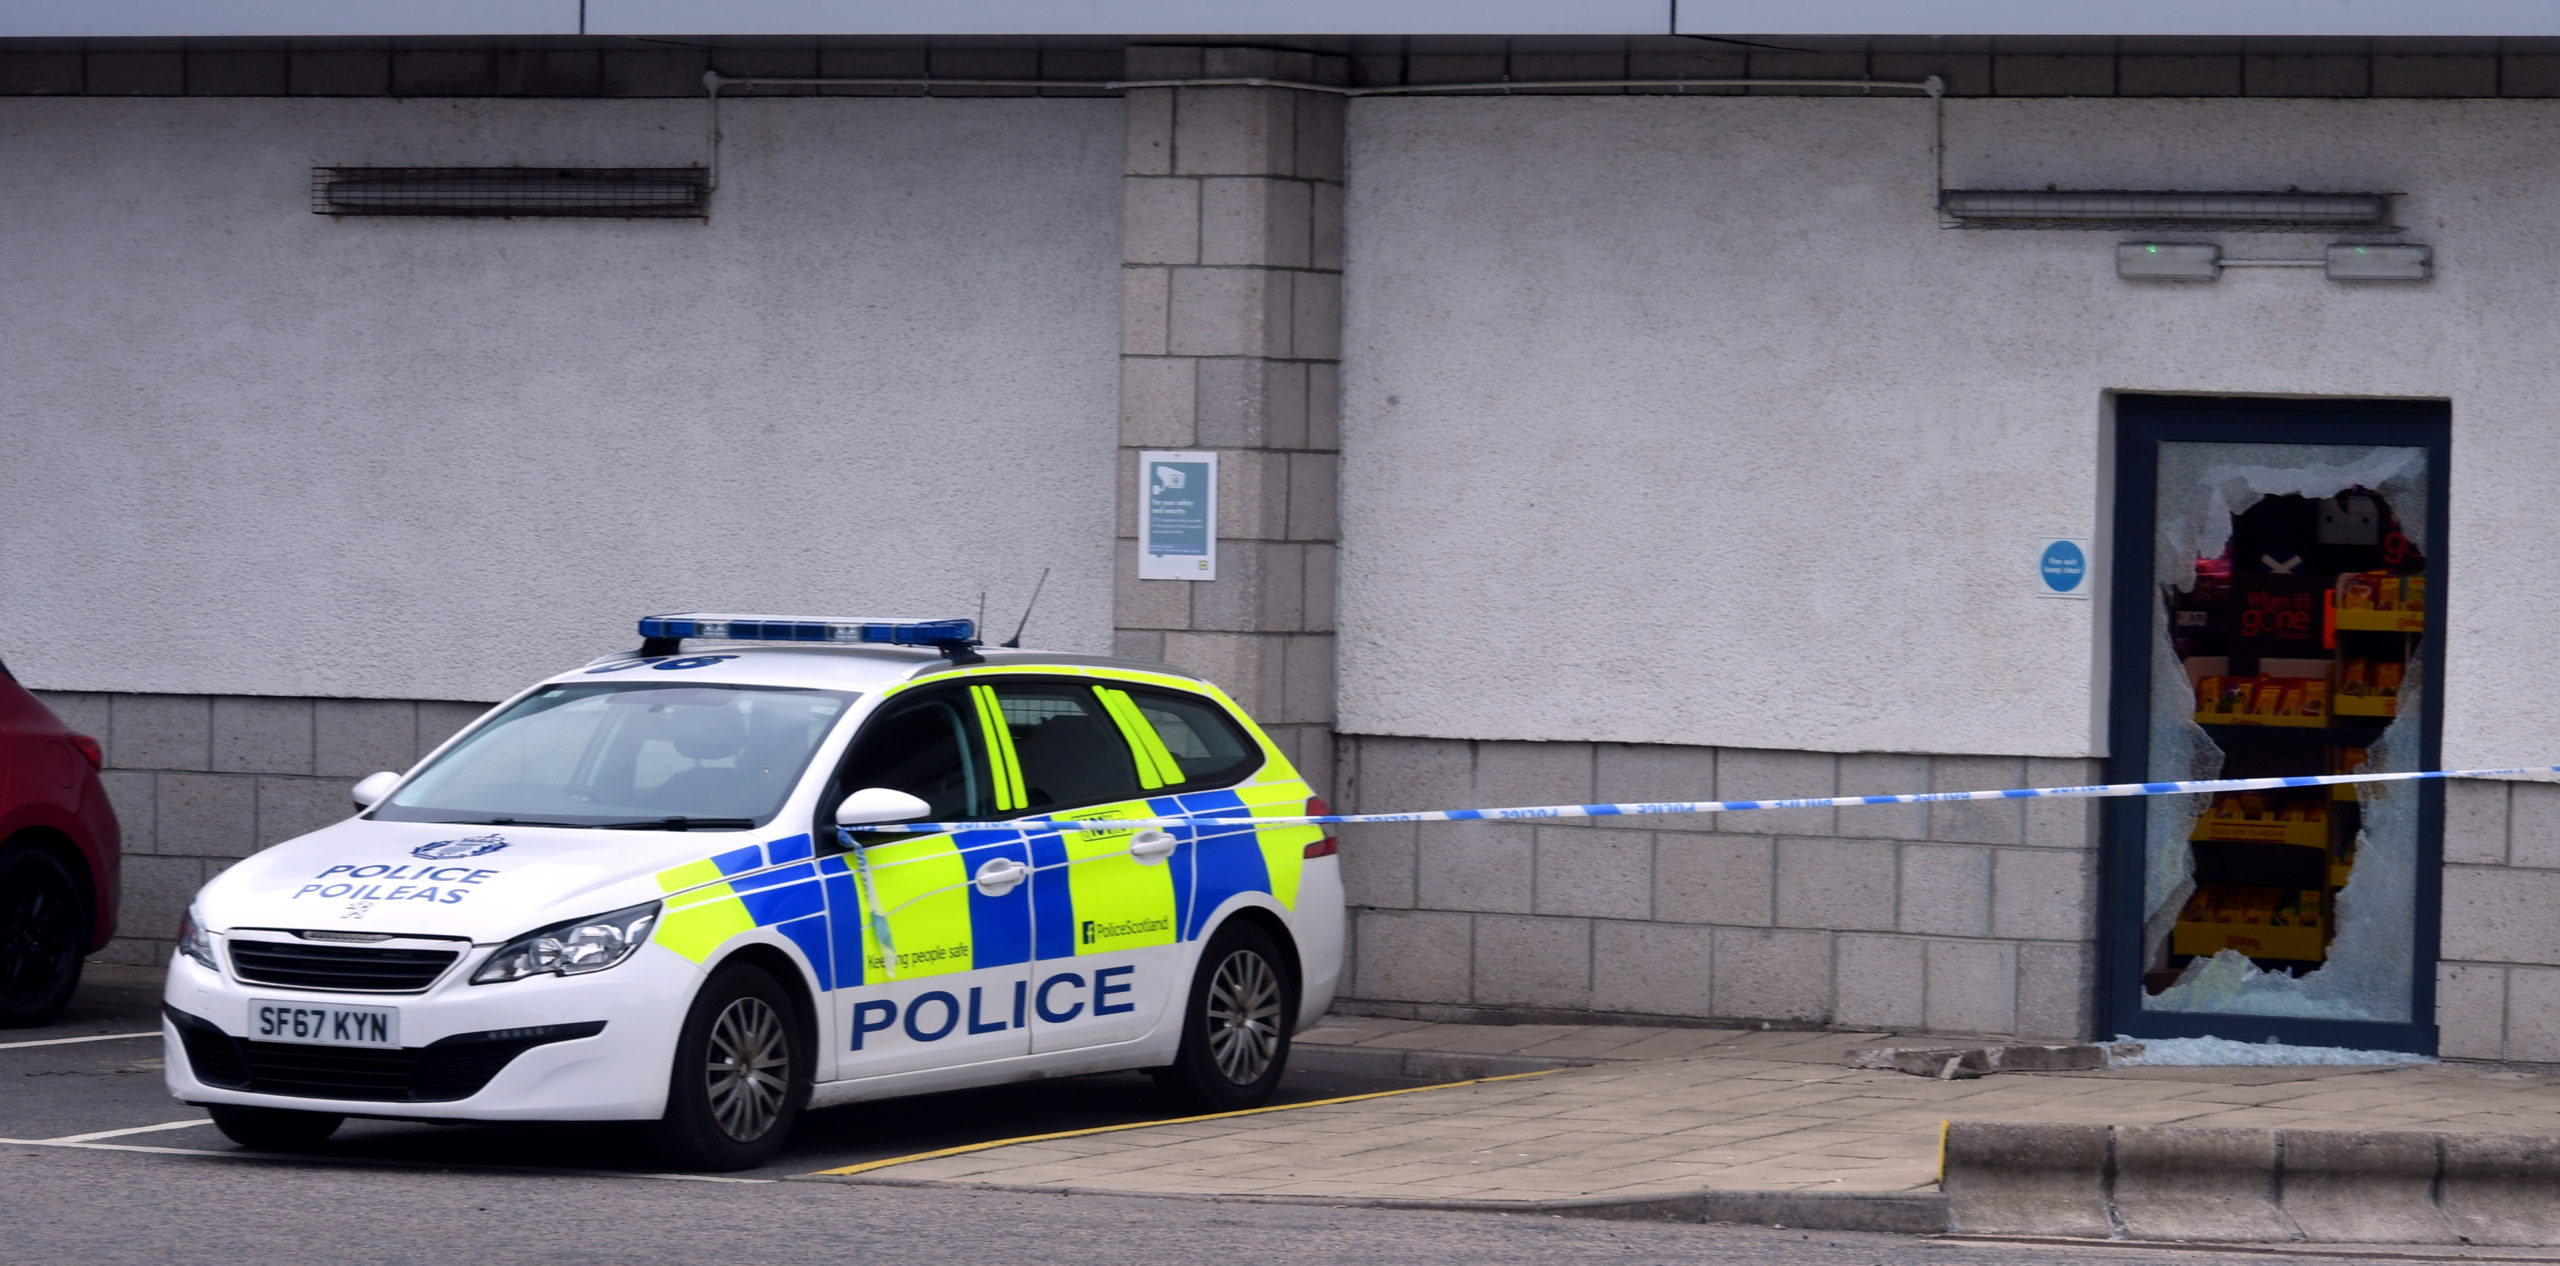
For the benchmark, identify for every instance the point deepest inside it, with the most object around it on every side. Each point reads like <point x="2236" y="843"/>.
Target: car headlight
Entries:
<point x="572" y="948"/>
<point x="193" y="941"/>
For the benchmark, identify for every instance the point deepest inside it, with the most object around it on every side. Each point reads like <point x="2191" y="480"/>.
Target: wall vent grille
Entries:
<point x="2136" y="209"/>
<point x="622" y="193"/>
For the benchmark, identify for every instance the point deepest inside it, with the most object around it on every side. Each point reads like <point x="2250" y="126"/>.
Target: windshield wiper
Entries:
<point x="517" y="822"/>
<point x="679" y="824"/>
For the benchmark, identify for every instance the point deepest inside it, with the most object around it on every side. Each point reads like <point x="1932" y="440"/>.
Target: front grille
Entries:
<point x="340" y="968"/>
<point x="456" y="1067"/>
<point x="328" y="1072"/>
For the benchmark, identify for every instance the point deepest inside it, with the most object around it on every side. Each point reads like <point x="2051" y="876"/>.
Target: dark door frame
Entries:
<point x="2142" y="422"/>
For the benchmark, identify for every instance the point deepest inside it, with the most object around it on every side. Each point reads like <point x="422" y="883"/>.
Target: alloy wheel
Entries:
<point x="749" y="1069"/>
<point x="1244" y="1017"/>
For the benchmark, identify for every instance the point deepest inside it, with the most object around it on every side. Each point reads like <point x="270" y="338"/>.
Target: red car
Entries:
<point x="59" y="857"/>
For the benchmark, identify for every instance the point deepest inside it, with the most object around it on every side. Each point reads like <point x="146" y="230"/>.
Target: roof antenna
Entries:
<point x="1014" y="643"/>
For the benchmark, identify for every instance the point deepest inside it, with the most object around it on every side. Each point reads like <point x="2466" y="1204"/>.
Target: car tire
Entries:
<point x="44" y="930"/>
<point x="274" y="1129"/>
<point x="741" y="1075"/>
<point x="1235" y="1024"/>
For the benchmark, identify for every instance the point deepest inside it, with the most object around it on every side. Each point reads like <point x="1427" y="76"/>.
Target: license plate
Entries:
<point x="323" y="1024"/>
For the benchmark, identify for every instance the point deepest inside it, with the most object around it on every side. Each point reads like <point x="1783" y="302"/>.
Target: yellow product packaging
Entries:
<point x="2223" y="696"/>
<point x="2228" y="903"/>
<point x="2288" y="912"/>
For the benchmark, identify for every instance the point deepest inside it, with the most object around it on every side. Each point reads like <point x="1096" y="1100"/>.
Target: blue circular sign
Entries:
<point x="2063" y="566"/>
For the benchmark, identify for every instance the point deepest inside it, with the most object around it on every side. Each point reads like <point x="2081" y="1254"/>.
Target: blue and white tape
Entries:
<point x="1665" y="807"/>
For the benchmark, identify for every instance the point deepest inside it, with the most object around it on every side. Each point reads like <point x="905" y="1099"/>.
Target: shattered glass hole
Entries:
<point x="2288" y="640"/>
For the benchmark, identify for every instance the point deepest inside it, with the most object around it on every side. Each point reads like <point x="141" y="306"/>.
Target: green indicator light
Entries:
<point x="2153" y="249"/>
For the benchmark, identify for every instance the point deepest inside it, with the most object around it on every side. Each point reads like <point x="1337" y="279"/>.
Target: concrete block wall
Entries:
<point x="1231" y="254"/>
<point x="1974" y="917"/>
<point x="2498" y="975"/>
<point x="201" y="781"/>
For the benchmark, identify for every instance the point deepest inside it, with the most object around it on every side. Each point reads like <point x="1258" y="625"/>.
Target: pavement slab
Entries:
<point x="1645" y="1112"/>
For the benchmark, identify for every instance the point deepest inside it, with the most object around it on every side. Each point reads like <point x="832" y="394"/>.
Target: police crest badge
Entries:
<point x="469" y="846"/>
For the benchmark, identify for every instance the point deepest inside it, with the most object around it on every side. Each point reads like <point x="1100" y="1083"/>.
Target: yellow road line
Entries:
<point x="966" y="1148"/>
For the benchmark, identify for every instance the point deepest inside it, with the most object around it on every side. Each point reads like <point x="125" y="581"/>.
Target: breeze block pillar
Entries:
<point x="1231" y="332"/>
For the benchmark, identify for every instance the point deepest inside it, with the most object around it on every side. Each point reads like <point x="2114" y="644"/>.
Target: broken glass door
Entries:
<point x="2278" y="583"/>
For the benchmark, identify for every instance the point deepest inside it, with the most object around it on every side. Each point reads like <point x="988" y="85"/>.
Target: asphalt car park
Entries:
<point x="93" y="1080"/>
<point x="99" y="1165"/>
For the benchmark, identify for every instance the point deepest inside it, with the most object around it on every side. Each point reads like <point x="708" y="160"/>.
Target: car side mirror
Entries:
<point x="880" y="804"/>
<point x="374" y="787"/>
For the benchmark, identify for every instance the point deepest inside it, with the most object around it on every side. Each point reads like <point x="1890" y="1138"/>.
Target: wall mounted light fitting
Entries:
<point x="2168" y="261"/>
<point x="2342" y="261"/>
<point x="2379" y="261"/>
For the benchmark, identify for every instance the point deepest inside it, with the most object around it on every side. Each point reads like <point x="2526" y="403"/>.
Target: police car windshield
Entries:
<point x="629" y="755"/>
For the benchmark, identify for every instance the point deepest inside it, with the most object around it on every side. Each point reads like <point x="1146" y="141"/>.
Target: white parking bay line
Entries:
<point x="119" y="1147"/>
<point x="66" y="1041"/>
<point x="131" y="1129"/>
<point x="83" y="1143"/>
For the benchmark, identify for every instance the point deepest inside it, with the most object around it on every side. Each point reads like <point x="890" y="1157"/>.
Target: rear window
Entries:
<point x="1208" y="744"/>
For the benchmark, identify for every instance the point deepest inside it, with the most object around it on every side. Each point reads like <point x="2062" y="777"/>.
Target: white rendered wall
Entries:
<point x="1683" y="421"/>
<point x="253" y="450"/>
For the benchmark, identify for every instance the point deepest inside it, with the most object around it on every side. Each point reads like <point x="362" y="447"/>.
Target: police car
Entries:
<point x="658" y="888"/>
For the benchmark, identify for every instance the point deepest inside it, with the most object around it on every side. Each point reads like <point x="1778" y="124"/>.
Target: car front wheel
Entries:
<point x="741" y="1074"/>
<point x="43" y="930"/>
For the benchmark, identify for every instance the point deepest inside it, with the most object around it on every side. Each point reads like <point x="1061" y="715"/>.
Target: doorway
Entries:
<point x="2278" y="584"/>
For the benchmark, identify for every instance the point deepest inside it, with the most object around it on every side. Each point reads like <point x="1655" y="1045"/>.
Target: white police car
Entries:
<point x="624" y="895"/>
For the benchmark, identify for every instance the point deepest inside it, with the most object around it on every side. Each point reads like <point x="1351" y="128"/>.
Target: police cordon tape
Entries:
<point x="1666" y="807"/>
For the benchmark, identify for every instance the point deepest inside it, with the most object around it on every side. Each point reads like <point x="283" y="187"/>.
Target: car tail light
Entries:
<point x="89" y="748"/>
<point x="1316" y="808"/>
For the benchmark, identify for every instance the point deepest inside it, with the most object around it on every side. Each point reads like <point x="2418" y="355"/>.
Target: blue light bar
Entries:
<point x="797" y="628"/>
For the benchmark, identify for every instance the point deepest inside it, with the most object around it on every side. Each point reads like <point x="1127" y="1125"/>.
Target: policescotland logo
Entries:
<point x="469" y="846"/>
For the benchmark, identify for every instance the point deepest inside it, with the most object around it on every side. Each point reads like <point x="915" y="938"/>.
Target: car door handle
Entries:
<point x="1000" y="876"/>
<point x="1152" y="846"/>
